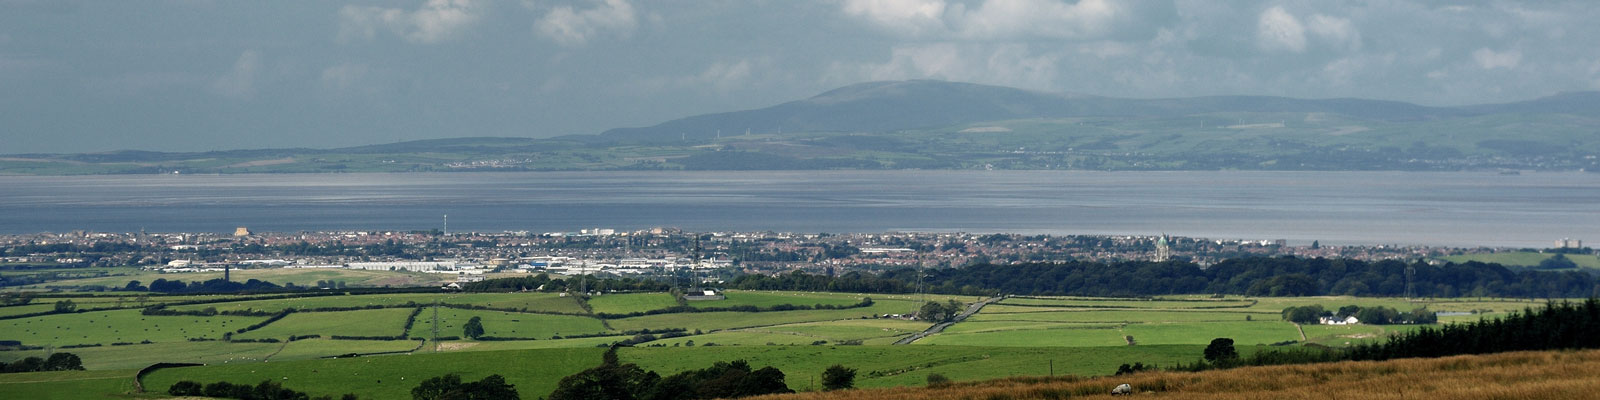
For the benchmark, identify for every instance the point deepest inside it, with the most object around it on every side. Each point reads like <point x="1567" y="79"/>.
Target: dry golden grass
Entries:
<point x="1519" y="375"/>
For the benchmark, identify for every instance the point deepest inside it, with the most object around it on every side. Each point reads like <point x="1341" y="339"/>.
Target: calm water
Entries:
<point x="1344" y="207"/>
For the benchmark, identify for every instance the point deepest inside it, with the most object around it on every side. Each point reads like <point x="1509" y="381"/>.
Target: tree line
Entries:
<point x="615" y="380"/>
<point x="1376" y="315"/>
<point x="1557" y="325"/>
<point x="1254" y="276"/>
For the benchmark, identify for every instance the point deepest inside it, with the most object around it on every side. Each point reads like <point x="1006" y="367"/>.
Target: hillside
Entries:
<point x="946" y="125"/>
<point x="1520" y="375"/>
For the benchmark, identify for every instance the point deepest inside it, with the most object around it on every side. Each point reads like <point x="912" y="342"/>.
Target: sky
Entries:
<point x="198" y="75"/>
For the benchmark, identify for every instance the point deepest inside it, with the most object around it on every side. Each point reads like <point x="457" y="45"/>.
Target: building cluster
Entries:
<point x="659" y="251"/>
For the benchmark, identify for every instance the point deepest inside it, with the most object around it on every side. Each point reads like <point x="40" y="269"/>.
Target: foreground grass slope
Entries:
<point x="1519" y="375"/>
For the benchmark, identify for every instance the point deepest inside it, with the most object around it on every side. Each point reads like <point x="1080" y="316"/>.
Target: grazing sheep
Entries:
<point x="1122" y="389"/>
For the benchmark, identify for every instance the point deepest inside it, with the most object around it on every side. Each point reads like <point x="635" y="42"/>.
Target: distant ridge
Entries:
<point x="915" y="104"/>
<point x="927" y="124"/>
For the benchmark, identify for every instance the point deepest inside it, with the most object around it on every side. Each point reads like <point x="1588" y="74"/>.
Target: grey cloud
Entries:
<point x="433" y="22"/>
<point x="370" y="71"/>
<point x="569" y="26"/>
<point x="240" y="81"/>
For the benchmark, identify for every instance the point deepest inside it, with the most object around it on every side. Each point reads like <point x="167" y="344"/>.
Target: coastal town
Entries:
<point x="657" y="252"/>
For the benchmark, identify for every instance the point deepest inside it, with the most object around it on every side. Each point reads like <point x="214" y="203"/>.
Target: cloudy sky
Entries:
<point x="185" y="75"/>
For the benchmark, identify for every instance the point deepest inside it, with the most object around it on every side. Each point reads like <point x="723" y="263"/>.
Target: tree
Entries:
<point x="1303" y="314"/>
<point x="838" y="377"/>
<point x="937" y="380"/>
<point x="1221" y="351"/>
<point x="611" y="380"/>
<point x="1557" y="261"/>
<point x="185" y="388"/>
<point x="473" y="329"/>
<point x="63" y="362"/>
<point x="1316" y="244"/>
<point x="1348" y="311"/>
<point x="450" y="387"/>
<point x="66" y="306"/>
<point x="721" y="380"/>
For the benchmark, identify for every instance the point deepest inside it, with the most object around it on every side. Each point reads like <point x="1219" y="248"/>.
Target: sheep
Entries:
<point x="1122" y="389"/>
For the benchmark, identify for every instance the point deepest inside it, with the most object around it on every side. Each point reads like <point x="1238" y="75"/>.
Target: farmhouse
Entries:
<point x="702" y="295"/>
<point x="1350" y="320"/>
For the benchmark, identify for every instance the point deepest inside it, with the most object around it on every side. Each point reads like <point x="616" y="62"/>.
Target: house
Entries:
<point x="1350" y="320"/>
<point x="701" y="295"/>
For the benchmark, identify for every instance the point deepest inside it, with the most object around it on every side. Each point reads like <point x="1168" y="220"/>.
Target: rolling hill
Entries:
<point x="948" y="125"/>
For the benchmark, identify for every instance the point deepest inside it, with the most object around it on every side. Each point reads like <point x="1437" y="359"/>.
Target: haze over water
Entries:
<point x="1453" y="209"/>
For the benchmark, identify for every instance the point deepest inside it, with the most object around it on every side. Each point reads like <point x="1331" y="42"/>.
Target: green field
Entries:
<point x="1080" y="302"/>
<point x="535" y="302"/>
<point x="107" y="327"/>
<point x="140" y="355"/>
<point x="318" y="348"/>
<point x="506" y="324"/>
<point x="630" y="302"/>
<point x="534" y="372"/>
<point x="1126" y="316"/>
<point x="380" y="322"/>
<point x="1525" y="259"/>
<point x="67" y="385"/>
<point x="1085" y="336"/>
<point x="766" y="299"/>
<point x="280" y="276"/>
<point x="712" y="321"/>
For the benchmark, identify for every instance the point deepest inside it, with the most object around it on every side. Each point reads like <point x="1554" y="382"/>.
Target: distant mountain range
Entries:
<point x="920" y="104"/>
<point x="949" y="125"/>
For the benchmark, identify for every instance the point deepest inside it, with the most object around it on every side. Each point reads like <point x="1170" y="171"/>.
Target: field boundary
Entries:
<point x="138" y="378"/>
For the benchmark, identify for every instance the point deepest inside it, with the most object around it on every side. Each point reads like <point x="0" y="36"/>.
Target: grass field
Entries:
<point x="766" y="299"/>
<point x="711" y="321"/>
<point x="533" y="372"/>
<point x="107" y="327"/>
<point x="536" y="302"/>
<point x="631" y="302"/>
<point x="881" y="366"/>
<point x="1017" y="337"/>
<point x="280" y="276"/>
<point x="506" y="324"/>
<point x="318" y="348"/>
<point x="380" y="322"/>
<point x="1082" y="302"/>
<point x="1525" y="258"/>
<point x="67" y="385"/>
<point x="1127" y="316"/>
<point x="1520" y="375"/>
<point x="141" y="355"/>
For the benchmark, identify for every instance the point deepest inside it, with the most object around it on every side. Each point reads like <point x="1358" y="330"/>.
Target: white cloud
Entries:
<point x="1338" y="31"/>
<point x="1276" y="29"/>
<point x="343" y="77"/>
<point x="910" y="17"/>
<point x="989" y="20"/>
<point x="434" y="22"/>
<point x="1009" y="65"/>
<point x="1040" y="18"/>
<point x="726" y="76"/>
<point x="239" y="82"/>
<point x="569" y="27"/>
<point x="1490" y="59"/>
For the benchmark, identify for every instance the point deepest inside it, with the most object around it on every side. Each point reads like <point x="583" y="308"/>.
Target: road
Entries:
<point x="939" y="327"/>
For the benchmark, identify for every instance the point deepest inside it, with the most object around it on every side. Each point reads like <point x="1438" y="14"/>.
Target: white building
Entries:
<point x="420" y="266"/>
<point x="1350" y="320"/>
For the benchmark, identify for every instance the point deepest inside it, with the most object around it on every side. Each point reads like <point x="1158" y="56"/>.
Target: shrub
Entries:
<point x="838" y="377"/>
<point x="185" y="388"/>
